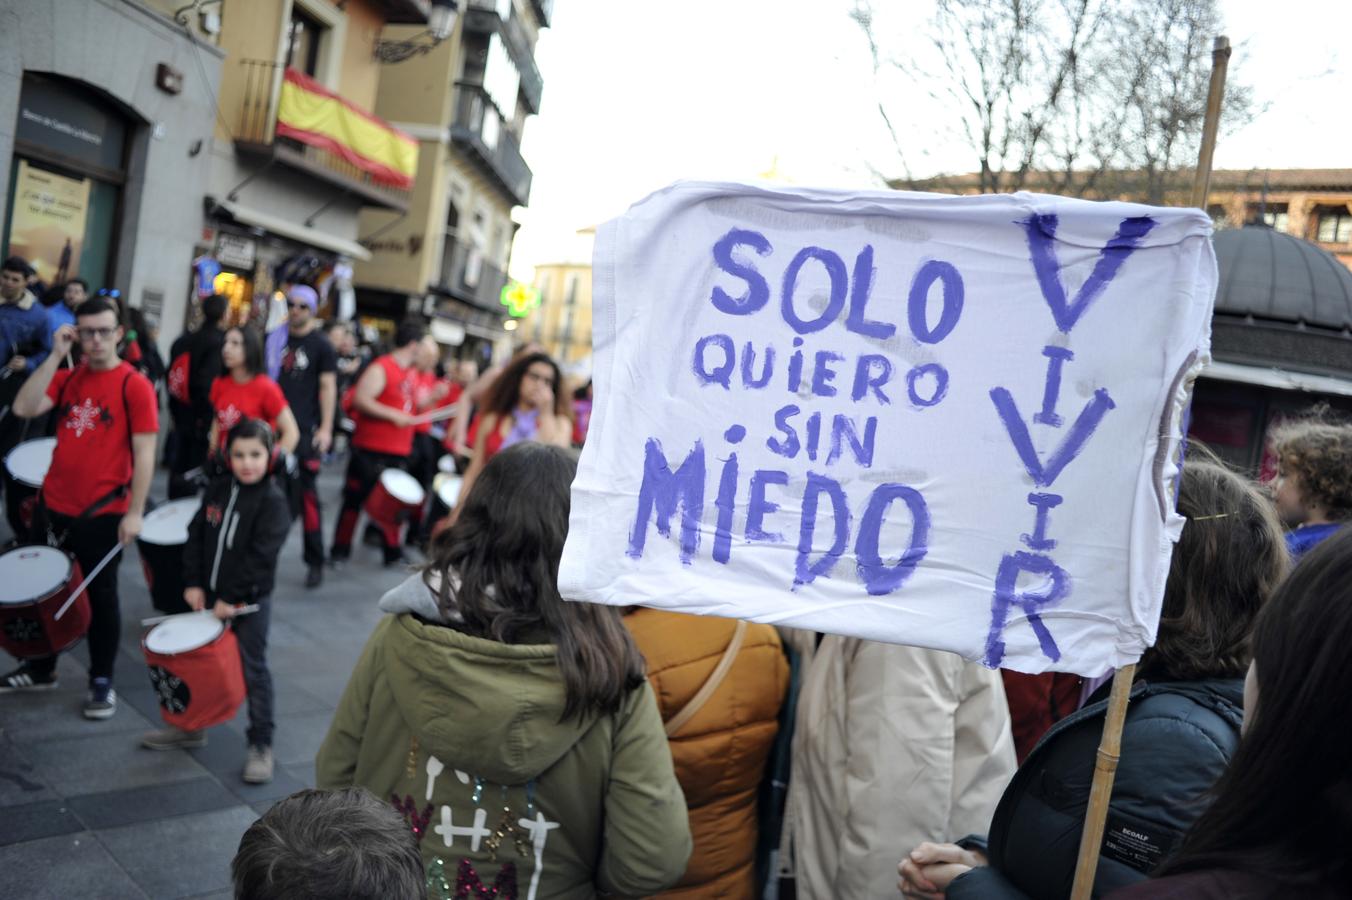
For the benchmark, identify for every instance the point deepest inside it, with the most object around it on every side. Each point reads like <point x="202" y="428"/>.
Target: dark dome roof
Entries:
<point x="1270" y="275"/>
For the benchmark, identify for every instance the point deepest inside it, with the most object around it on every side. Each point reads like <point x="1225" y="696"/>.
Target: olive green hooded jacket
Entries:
<point x="464" y="736"/>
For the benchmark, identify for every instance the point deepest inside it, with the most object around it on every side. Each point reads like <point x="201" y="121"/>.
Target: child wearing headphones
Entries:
<point x="230" y="560"/>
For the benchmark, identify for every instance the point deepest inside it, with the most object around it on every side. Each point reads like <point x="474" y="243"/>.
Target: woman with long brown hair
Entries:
<point x="515" y="731"/>
<point x="525" y="403"/>
<point x="1280" y="824"/>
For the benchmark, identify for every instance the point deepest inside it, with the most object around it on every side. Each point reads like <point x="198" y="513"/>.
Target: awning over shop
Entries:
<point x="301" y="233"/>
<point x="1282" y="379"/>
<point x="310" y="113"/>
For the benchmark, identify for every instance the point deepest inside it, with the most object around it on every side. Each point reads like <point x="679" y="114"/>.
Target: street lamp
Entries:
<point x="440" y="24"/>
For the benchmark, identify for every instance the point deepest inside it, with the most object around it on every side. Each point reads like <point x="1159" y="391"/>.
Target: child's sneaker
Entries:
<point x="172" y="738"/>
<point x="25" y="679"/>
<point x="258" y="770"/>
<point x="102" y="700"/>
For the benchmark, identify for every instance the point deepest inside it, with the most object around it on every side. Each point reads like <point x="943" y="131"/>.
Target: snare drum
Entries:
<point x="37" y="581"/>
<point x="25" y="469"/>
<point x="445" y="494"/>
<point x="195" y="670"/>
<point x="396" y="494"/>
<point x="164" y="534"/>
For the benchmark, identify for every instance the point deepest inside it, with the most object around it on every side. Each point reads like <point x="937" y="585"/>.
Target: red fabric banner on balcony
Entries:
<point x="312" y="114"/>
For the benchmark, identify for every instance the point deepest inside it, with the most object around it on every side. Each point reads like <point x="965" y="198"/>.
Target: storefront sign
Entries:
<point x="48" y="224"/>
<point x="70" y="123"/>
<point x="235" y="251"/>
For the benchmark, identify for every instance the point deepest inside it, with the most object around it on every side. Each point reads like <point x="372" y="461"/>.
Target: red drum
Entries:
<point x="25" y="470"/>
<point x="195" y="670"/>
<point x="164" y="534"/>
<point x="396" y="494"/>
<point x="37" y="581"/>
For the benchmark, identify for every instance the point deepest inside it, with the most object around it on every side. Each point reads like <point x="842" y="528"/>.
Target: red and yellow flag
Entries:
<point x="310" y="113"/>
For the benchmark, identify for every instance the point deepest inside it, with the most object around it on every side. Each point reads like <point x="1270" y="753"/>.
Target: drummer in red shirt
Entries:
<point x="107" y="419"/>
<point x="431" y="393"/>
<point x="244" y="392"/>
<point x="383" y="434"/>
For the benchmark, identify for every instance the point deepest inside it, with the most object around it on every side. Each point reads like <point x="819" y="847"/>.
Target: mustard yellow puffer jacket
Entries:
<point x="720" y="754"/>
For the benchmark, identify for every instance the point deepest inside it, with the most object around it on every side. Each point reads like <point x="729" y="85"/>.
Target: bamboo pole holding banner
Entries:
<point x="1220" y="62"/>
<point x="1110" y="745"/>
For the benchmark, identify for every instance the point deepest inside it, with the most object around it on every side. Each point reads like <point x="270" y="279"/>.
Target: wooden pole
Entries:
<point x="1101" y="791"/>
<point x="1110" y="745"/>
<point x="1220" y="61"/>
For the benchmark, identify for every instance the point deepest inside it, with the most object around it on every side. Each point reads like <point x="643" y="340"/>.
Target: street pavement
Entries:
<point x="86" y="812"/>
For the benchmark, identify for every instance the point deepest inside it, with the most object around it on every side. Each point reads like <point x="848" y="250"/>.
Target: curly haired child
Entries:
<point x="1313" y="489"/>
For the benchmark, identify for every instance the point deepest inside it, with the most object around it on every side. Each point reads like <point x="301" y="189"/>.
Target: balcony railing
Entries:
<point x="479" y="128"/>
<point x="257" y="136"/>
<point x="467" y="276"/>
<point x="482" y="16"/>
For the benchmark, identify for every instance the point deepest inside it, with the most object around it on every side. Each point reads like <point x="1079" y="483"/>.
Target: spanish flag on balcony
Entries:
<point x="310" y="113"/>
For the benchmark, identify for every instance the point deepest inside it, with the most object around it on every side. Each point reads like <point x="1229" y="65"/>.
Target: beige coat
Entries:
<point x="892" y="746"/>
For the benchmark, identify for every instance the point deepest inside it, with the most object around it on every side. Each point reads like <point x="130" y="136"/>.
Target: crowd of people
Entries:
<point x="496" y="740"/>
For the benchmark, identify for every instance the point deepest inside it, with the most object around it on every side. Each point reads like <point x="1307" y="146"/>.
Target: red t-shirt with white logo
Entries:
<point x="233" y="402"/>
<point x="93" y="441"/>
<point x="379" y="435"/>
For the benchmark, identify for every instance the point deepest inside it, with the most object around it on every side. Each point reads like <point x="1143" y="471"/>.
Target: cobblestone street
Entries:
<point x="88" y="812"/>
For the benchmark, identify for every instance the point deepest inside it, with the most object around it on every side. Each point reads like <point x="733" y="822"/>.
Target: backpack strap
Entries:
<point x="676" y="722"/>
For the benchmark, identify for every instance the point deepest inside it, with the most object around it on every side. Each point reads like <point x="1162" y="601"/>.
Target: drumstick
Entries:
<point x="155" y="620"/>
<point x="436" y="415"/>
<point x="88" y="578"/>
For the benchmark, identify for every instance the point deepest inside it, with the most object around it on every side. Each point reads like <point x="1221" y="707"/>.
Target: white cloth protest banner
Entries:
<point x="949" y="422"/>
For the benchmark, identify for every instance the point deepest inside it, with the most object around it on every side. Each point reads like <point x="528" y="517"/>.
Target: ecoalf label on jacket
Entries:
<point x="951" y="422"/>
<point x="1134" y="844"/>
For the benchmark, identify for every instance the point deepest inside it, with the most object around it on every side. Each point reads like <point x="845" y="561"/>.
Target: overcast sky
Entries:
<point x="639" y="94"/>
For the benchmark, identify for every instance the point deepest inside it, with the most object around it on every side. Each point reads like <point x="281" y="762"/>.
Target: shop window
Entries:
<point x="238" y="290"/>
<point x="65" y="178"/>
<point x="1334" y="226"/>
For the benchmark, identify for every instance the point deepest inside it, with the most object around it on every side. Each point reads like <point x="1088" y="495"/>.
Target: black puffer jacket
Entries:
<point x="234" y="539"/>
<point x="1177" y="740"/>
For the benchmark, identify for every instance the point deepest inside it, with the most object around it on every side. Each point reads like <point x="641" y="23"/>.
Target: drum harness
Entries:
<point x="40" y="514"/>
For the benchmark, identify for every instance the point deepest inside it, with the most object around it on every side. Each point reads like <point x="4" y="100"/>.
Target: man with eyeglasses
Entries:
<point x="309" y="379"/>
<point x="92" y="499"/>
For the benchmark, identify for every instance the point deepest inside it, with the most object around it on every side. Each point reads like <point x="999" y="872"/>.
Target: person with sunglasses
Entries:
<point x="107" y="419"/>
<point x="525" y="403"/>
<point x="309" y="380"/>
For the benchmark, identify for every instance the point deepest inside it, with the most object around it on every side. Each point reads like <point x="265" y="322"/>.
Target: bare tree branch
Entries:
<point x="1082" y="97"/>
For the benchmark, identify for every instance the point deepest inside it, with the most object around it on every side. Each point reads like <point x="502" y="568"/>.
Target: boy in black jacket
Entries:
<point x="230" y="560"/>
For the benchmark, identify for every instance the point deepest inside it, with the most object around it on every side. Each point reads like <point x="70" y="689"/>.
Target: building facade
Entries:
<point x="563" y="321"/>
<point x="103" y="103"/>
<point x="467" y="102"/>
<point x="1314" y="205"/>
<point x="297" y="152"/>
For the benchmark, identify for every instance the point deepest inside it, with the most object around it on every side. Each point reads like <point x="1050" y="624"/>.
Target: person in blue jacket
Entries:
<point x="1181" y="729"/>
